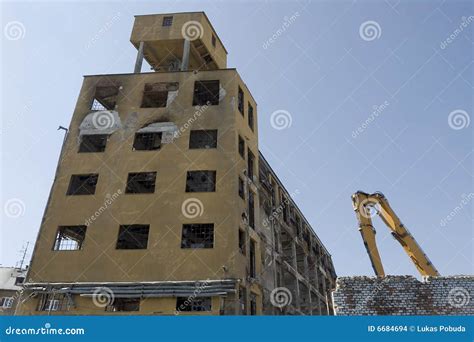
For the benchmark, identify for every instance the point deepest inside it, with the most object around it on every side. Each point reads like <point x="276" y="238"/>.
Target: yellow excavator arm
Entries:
<point x="366" y="205"/>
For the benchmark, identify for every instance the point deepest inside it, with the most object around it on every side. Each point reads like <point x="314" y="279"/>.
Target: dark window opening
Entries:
<point x="141" y="183"/>
<point x="82" y="184"/>
<point x="241" y="188"/>
<point x="54" y="302"/>
<point x="198" y="235"/>
<point x="133" y="236"/>
<point x="203" y="139"/>
<point x="105" y="98"/>
<point x="197" y="304"/>
<point x="213" y="40"/>
<point x="124" y="304"/>
<point x="241" y="101"/>
<point x="253" y="269"/>
<point x="147" y="141"/>
<point x="242" y="242"/>
<point x="201" y="181"/>
<point x="93" y="143"/>
<point x="250" y="164"/>
<point x="250" y="116"/>
<point x="251" y="210"/>
<point x="155" y="95"/>
<point x="19" y="280"/>
<point x="253" y="304"/>
<point x="243" y="300"/>
<point x="206" y="93"/>
<point x="69" y="238"/>
<point x="241" y="147"/>
<point x="167" y="21"/>
<point x="208" y="59"/>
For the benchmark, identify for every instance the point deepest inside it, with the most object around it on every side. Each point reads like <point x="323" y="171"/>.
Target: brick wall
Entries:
<point x="404" y="295"/>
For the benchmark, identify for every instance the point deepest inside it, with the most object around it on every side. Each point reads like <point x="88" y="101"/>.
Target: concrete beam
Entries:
<point x="139" y="61"/>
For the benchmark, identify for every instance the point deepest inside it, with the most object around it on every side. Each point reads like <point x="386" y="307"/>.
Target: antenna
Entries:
<point x="24" y="251"/>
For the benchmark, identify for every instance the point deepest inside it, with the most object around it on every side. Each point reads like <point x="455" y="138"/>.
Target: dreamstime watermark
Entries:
<point x="281" y="297"/>
<point x="192" y="208"/>
<point x="46" y="330"/>
<point x="278" y="210"/>
<point x="200" y="287"/>
<point x="14" y="30"/>
<point x="465" y="22"/>
<point x="287" y="22"/>
<point x="370" y="30"/>
<point x="102" y="30"/>
<point x="103" y="297"/>
<point x="377" y="110"/>
<point x="109" y="200"/>
<point x="14" y="208"/>
<point x="458" y="297"/>
<point x="458" y="119"/>
<point x="281" y="119"/>
<point x="103" y="120"/>
<point x="192" y="30"/>
<point x="368" y="208"/>
<point x="200" y="110"/>
<point x="457" y="209"/>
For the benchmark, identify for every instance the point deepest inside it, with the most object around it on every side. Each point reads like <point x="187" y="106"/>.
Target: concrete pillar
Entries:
<point x="139" y="61"/>
<point x="185" y="59"/>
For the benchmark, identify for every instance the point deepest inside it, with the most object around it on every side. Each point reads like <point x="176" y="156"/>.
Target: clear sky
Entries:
<point x="368" y="87"/>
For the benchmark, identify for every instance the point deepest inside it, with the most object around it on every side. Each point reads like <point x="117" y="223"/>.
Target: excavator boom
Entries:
<point x="365" y="205"/>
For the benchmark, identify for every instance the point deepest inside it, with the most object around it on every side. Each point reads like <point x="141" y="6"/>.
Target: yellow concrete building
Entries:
<point x="162" y="203"/>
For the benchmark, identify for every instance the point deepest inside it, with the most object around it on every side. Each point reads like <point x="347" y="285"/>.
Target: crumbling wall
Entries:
<point x="404" y="295"/>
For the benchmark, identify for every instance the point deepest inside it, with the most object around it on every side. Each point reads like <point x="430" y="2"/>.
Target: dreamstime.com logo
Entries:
<point x="103" y="120"/>
<point x="281" y="297"/>
<point x="103" y="297"/>
<point x="192" y="208"/>
<point x="192" y="30"/>
<point x="368" y="208"/>
<point x="14" y="30"/>
<point x="458" y="297"/>
<point x="14" y="208"/>
<point x="281" y="119"/>
<point x="370" y="30"/>
<point x="458" y="119"/>
<point x="46" y="330"/>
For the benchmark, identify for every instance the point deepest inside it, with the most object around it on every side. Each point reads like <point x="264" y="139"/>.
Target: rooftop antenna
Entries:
<point x="24" y="251"/>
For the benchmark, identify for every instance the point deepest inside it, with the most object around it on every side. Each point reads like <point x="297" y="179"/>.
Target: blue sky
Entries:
<point x="369" y="109"/>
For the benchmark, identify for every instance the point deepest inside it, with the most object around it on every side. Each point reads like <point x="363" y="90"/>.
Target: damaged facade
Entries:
<point x="199" y="223"/>
<point x="11" y="281"/>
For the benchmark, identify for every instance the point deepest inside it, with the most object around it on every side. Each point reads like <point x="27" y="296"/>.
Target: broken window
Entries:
<point x="241" y="147"/>
<point x="199" y="235"/>
<point x="203" y="139"/>
<point x="141" y="183"/>
<point x="250" y="164"/>
<point x="133" y="236"/>
<point x="105" y="97"/>
<point x="250" y="116"/>
<point x="201" y="181"/>
<point x="93" y="143"/>
<point x="6" y="302"/>
<point x="124" y="304"/>
<point x="242" y="239"/>
<point x="240" y="101"/>
<point x="251" y="208"/>
<point x="243" y="300"/>
<point x="54" y="302"/>
<point x="253" y="266"/>
<point x="69" y="238"/>
<point x="155" y="95"/>
<point x="241" y="188"/>
<point x="19" y="281"/>
<point x="196" y="304"/>
<point x="167" y="21"/>
<point x="82" y="184"/>
<point x="253" y="304"/>
<point x="206" y="93"/>
<point x="147" y="141"/>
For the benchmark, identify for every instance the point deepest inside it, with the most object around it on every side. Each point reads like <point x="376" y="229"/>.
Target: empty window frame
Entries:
<point x="105" y="97"/>
<point x="251" y="209"/>
<point x="19" y="281"/>
<point x="240" y="101"/>
<point x="241" y="147"/>
<point x="205" y="138"/>
<point x="54" y="302"/>
<point x="147" y="141"/>
<point x="250" y="116"/>
<point x="141" y="183"/>
<point x="250" y="164"/>
<point x="242" y="242"/>
<point x="196" y="304"/>
<point x="253" y="304"/>
<point x="82" y="184"/>
<point x="253" y="266"/>
<point x="6" y="302"/>
<point x="167" y="21"/>
<point x="206" y="93"/>
<point x="124" y="304"/>
<point x="133" y="236"/>
<point x="201" y="181"/>
<point x="93" y="143"/>
<point x="155" y="95"/>
<point x="198" y="235"/>
<point x="241" y="188"/>
<point x="69" y="238"/>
